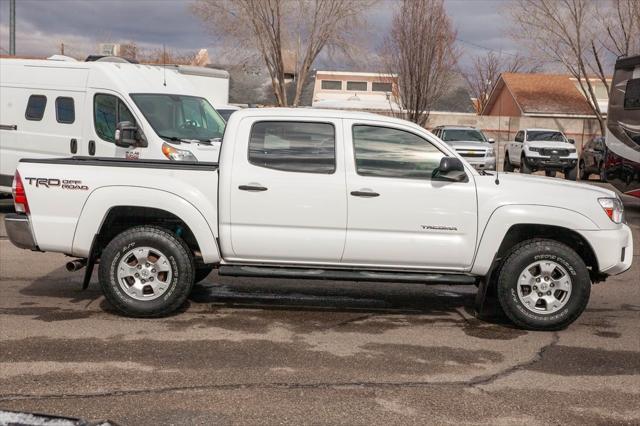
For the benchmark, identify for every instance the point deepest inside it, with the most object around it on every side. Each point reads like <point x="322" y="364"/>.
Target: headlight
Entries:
<point x="491" y="152"/>
<point x="613" y="208"/>
<point x="177" y="154"/>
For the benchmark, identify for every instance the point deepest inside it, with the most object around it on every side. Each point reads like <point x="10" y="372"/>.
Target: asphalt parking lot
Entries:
<point x="249" y="351"/>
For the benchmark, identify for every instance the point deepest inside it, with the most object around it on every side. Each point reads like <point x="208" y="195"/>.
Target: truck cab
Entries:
<point x="542" y="149"/>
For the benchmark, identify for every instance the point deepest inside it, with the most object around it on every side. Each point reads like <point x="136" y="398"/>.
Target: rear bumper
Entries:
<point x="19" y="231"/>
<point x="613" y="249"/>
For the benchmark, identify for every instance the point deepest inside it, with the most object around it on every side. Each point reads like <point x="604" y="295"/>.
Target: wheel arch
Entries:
<point x="102" y="218"/>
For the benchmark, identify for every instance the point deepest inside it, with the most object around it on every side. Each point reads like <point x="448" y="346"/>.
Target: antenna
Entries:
<point x="497" y="181"/>
<point x="164" y="66"/>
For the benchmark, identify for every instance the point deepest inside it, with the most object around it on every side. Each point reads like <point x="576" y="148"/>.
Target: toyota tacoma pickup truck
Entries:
<point x="304" y="194"/>
<point x="542" y="149"/>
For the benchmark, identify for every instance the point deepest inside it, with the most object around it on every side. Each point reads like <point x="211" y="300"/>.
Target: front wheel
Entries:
<point x="524" y="168"/>
<point x="550" y="173"/>
<point x="571" y="174"/>
<point x="583" y="174"/>
<point x="146" y="271"/>
<point x="506" y="165"/>
<point x="543" y="285"/>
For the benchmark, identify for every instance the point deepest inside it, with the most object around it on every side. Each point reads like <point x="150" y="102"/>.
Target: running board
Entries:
<point x="345" y="275"/>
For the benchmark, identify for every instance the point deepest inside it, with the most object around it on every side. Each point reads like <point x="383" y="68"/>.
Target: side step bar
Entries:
<point x="345" y="274"/>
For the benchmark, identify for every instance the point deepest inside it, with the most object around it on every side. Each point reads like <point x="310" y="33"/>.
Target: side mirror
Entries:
<point x="491" y="140"/>
<point x="128" y="135"/>
<point x="572" y="141"/>
<point x="450" y="168"/>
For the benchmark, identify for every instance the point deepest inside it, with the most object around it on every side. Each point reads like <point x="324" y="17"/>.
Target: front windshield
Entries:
<point x="466" y="135"/>
<point x="180" y="118"/>
<point x="543" y="135"/>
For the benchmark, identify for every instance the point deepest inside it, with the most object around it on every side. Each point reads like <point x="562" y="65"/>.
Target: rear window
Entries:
<point x="293" y="146"/>
<point x="35" y="107"/>
<point x="632" y="94"/>
<point x="65" y="110"/>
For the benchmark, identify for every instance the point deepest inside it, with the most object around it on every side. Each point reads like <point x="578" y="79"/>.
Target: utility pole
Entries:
<point x="12" y="27"/>
<point x="62" y="48"/>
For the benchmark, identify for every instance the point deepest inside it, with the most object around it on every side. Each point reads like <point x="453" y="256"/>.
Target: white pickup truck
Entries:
<point x="542" y="149"/>
<point x="323" y="194"/>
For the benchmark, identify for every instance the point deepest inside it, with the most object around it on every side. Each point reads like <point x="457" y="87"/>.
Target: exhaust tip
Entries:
<point x="76" y="265"/>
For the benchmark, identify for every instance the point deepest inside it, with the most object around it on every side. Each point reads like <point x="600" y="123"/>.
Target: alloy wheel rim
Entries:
<point x="544" y="287"/>
<point x="144" y="273"/>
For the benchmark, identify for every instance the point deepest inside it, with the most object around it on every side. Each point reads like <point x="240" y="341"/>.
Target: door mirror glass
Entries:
<point x="450" y="168"/>
<point x="127" y="135"/>
<point x="572" y="141"/>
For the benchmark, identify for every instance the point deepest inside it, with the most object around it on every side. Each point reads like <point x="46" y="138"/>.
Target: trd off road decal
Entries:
<point x="53" y="183"/>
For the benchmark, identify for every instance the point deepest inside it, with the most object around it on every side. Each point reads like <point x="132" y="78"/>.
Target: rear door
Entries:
<point x="287" y="195"/>
<point x="398" y="216"/>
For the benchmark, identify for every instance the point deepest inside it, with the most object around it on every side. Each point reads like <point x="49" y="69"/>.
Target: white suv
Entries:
<point x="471" y="144"/>
<point x="542" y="149"/>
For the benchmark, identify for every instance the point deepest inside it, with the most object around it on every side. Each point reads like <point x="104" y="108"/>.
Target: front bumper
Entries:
<point x="486" y="163"/>
<point x="19" y="231"/>
<point x="613" y="249"/>
<point x="551" y="163"/>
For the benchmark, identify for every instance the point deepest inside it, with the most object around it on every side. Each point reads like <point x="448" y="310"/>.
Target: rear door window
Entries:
<point x="632" y="94"/>
<point x="65" y="110"/>
<point x="35" y="107"/>
<point x="293" y="146"/>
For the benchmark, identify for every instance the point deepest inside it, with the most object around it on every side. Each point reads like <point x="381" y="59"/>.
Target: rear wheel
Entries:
<point x="524" y="167"/>
<point x="543" y="285"/>
<point x="506" y="165"/>
<point x="146" y="271"/>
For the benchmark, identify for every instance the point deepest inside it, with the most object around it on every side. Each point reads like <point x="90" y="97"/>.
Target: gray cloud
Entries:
<point x="81" y="25"/>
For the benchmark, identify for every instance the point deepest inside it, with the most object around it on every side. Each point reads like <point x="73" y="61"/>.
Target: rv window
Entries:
<point x="381" y="87"/>
<point x="65" y="110"/>
<point x="331" y="85"/>
<point x="632" y="94"/>
<point x="108" y="111"/>
<point x="357" y="85"/>
<point x="35" y="107"/>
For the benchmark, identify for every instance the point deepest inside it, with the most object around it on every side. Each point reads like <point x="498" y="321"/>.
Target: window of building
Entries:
<point x="632" y="94"/>
<point x="65" y="110"/>
<point x="331" y="85"/>
<point x="387" y="152"/>
<point x="108" y="111"/>
<point x="35" y="107"/>
<point x="293" y="146"/>
<point x="382" y="87"/>
<point x="357" y="85"/>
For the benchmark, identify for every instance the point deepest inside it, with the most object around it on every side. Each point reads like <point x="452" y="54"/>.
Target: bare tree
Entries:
<point x="569" y="33"/>
<point x="287" y="34"/>
<point x="485" y="71"/>
<point x="421" y="50"/>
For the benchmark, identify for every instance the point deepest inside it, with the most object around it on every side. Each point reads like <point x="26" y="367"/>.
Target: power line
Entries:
<point x="501" y="52"/>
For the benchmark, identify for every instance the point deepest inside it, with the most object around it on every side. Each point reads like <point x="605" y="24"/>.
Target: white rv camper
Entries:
<point x="60" y="108"/>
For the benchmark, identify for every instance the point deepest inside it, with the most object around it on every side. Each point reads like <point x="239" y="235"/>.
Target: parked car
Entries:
<point x="51" y="108"/>
<point x="542" y="149"/>
<point x="622" y="163"/>
<point x="592" y="158"/>
<point x="328" y="195"/>
<point x="471" y="144"/>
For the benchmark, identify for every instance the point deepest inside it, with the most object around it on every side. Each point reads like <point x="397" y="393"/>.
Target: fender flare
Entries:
<point x="102" y="200"/>
<point x="504" y="217"/>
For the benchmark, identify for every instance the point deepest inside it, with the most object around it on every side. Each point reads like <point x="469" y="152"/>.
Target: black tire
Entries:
<point x="506" y="165"/>
<point x="550" y="173"/>
<point x="180" y="260"/>
<point x="201" y="273"/>
<point x="571" y="174"/>
<point x="527" y="253"/>
<point x="584" y="175"/>
<point x="524" y="168"/>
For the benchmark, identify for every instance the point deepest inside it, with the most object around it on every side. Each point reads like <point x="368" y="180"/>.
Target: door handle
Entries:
<point x="366" y="194"/>
<point x="92" y="147"/>
<point x="8" y="127"/>
<point x="73" y="146"/>
<point x="252" y="188"/>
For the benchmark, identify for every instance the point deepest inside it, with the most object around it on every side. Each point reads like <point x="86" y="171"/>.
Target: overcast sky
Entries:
<point x="43" y="24"/>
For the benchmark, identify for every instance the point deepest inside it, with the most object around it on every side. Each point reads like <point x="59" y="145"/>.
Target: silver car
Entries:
<point x="471" y="144"/>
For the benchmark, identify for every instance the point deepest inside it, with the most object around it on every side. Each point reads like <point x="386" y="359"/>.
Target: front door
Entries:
<point x="287" y="193"/>
<point x="398" y="216"/>
<point x="106" y="110"/>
